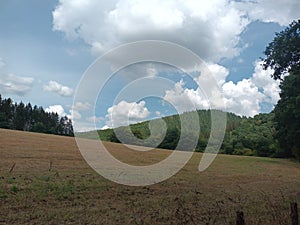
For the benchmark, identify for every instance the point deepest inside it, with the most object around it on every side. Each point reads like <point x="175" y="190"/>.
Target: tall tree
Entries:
<point x="283" y="55"/>
<point x="18" y="116"/>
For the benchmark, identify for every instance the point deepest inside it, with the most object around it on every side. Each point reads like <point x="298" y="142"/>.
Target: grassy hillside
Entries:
<point x="244" y="136"/>
<point x="44" y="180"/>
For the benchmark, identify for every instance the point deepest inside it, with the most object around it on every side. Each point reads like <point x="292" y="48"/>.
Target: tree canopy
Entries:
<point x="18" y="116"/>
<point x="283" y="55"/>
<point x="243" y="136"/>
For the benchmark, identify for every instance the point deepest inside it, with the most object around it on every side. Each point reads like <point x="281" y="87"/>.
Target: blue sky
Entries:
<point x="46" y="46"/>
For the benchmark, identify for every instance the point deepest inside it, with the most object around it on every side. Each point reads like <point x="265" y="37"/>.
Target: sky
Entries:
<point x="47" y="46"/>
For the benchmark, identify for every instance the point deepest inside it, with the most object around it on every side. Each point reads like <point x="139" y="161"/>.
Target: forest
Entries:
<point x="25" y="117"/>
<point x="244" y="136"/>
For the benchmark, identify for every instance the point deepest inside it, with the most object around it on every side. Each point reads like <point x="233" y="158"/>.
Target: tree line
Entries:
<point x="243" y="136"/>
<point x="25" y="117"/>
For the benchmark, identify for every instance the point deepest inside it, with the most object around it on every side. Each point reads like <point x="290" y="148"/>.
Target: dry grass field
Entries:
<point x="45" y="180"/>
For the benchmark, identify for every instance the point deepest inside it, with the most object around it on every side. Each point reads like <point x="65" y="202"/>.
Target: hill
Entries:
<point x="244" y="136"/>
<point x="44" y="180"/>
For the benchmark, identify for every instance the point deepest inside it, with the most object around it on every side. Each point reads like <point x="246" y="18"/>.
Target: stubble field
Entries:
<point x="45" y="180"/>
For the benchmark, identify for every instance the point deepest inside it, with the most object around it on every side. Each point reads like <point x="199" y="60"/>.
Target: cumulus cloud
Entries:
<point x="210" y="28"/>
<point x="243" y="98"/>
<point x="74" y="112"/>
<point x="262" y="79"/>
<point x="181" y="97"/>
<point x="58" y="88"/>
<point x="59" y="109"/>
<point x="18" y="85"/>
<point x="211" y="33"/>
<point x="125" y="113"/>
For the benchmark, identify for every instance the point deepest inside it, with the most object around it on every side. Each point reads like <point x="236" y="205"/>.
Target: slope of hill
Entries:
<point x="244" y="136"/>
<point x="44" y="180"/>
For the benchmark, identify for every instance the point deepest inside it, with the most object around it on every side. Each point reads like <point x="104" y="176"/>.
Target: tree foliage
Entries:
<point x="254" y="136"/>
<point x="287" y="115"/>
<point x="27" y="118"/>
<point x="243" y="136"/>
<point x="283" y="55"/>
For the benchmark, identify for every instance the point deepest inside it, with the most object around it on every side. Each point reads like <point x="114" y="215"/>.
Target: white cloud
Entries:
<point x="125" y="113"/>
<point x="77" y="108"/>
<point x="281" y="12"/>
<point x="81" y="106"/>
<point x="18" y="85"/>
<point x="243" y="98"/>
<point x="75" y="114"/>
<point x="59" y="109"/>
<point x="210" y="28"/>
<point x="56" y="109"/>
<point x="262" y="79"/>
<point x="181" y="98"/>
<point x="76" y="117"/>
<point x="218" y="72"/>
<point x="58" y="88"/>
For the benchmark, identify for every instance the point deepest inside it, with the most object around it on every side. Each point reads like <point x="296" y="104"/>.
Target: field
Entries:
<point x="45" y="180"/>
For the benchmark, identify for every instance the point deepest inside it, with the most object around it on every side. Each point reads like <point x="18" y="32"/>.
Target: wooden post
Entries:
<point x="240" y="218"/>
<point x="294" y="213"/>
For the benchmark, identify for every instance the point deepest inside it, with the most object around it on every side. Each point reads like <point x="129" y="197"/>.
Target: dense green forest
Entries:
<point x="244" y="136"/>
<point x="25" y="117"/>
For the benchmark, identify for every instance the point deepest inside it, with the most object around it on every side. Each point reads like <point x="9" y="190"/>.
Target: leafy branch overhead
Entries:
<point x="283" y="53"/>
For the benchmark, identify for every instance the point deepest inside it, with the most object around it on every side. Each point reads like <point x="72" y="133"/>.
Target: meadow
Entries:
<point x="45" y="180"/>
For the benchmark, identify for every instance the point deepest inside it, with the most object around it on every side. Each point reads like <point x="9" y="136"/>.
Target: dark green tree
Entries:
<point x="283" y="55"/>
<point x="287" y="115"/>
<point x="18" y="116"/>
<point x="6" y="113"/>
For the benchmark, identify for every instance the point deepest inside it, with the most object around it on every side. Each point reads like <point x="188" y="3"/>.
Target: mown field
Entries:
<point x="45" y="180"/>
